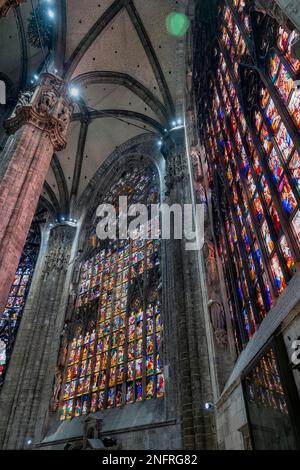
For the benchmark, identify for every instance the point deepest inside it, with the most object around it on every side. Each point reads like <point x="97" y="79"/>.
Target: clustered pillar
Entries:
<point x="29" y="383"/>
<point x="185" y="302"/>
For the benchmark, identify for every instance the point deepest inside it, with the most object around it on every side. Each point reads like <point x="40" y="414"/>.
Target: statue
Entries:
<point x="64" y="118"/>
<point x="57" y="390"/>
<point x="218" y="321"/>
<point x="47" y="102"/>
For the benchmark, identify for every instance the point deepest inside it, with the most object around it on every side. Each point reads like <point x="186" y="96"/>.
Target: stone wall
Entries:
<point x="230" y="418"/>
<point x="136" y="426"/>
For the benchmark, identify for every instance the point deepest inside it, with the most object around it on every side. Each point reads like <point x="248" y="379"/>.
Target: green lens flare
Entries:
<point x="177" y="24"/>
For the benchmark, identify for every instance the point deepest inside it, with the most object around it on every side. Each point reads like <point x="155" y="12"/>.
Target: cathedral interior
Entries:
<point x="140" y="343"/>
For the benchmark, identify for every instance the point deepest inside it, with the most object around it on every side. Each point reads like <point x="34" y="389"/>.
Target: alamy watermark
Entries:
<point x="2" y="92"/>
<point x="295" y="358"/>
<point x="157" y="221"/>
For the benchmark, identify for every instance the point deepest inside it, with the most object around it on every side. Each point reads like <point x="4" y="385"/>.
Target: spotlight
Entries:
<point x="63" y="219"/>
<point x="174" y="123"/>
<point x="74" y="92"/>
<point x="179" y="122"/>
<point x="35" y="76"/>
<point x="51" y="14"/>
<point x="208" y="406"/>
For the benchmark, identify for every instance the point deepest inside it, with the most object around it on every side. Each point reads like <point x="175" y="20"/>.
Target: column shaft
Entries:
<point x="37" y="126"/>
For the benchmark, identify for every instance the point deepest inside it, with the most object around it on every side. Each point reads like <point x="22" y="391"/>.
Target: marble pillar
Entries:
<point x="37" y="128"/>
<point x="185" y="304"/>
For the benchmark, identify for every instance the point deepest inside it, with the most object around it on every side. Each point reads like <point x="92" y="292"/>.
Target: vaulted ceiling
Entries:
<point x="128" y="70"/>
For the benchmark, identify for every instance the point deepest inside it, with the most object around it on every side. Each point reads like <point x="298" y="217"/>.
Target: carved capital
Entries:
<point x="174" y="152"/>
<point x="47" y="107"/>
<point x="6" y="5"/>
<point x="176" y="171"/>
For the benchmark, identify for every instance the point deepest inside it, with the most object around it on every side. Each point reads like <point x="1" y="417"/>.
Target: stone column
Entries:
<point x="37" y="128"/>
<point x="6" y="5"/>
<point x="29" y="383"/>
<point x="185" y="304"/>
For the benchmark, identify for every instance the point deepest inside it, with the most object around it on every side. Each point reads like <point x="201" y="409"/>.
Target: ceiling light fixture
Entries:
<point x="51" y="14"/>
<point x="74" y="92"/>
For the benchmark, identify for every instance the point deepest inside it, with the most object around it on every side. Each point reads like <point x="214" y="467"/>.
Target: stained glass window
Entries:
<point x="11" y="317"/>
<point x="267" y="405"/>
<point x="254" y="120"/>
<point x="115" y="360"/>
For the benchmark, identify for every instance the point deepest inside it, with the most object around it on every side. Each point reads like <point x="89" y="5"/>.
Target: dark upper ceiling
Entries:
<point x="125" y="65"/>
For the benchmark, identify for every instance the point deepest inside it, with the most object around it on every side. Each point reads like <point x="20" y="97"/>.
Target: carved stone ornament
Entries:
<point x="218" y="321"/>
<point x="210" y="263"/>
<point x="54" y="402"/>
<point x="47" y="108"/>
<point x="46" y="102"/>
<point x="176" y="171"/>
<point x="221" y="338"/>
<point x="6" y="5"/>
<point x="60" y="244"/>
<point x="195" y="159"/>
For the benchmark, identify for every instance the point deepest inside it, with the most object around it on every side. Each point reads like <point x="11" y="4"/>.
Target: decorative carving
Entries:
<point x="195" y="158"/>
<point x="48" y="108"/>
<point x="24" y="99"/>
<point x="46" y="102"/>
<point x="92" y="428"/>
<point x="218" y="321"/>
<point x="40" y="29"/>
<point x="221" y="338"/>
<point x="176" y="171"/>
<point x="210" y="263"/>
<point x="54" y="403"/>
<point x="6" y="5"/>
<point x="59" y="250"/>
<point x="64" y="118"/>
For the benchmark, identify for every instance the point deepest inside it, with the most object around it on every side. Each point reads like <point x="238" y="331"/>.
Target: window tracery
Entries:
<point x="252" y="134"/>
<point x="116" y="359"/>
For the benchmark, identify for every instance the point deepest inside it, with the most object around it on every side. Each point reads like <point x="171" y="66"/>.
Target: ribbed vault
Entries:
<point x="125" y="65"/>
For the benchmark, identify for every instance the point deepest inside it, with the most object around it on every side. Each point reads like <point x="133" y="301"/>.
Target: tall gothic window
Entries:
<point x="268" y="403"/>
<point x="113" y="356"/>
<point x="252" y="141"/>
<point x="11" y="317"/>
